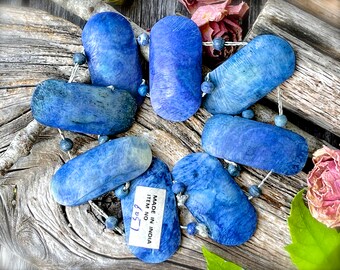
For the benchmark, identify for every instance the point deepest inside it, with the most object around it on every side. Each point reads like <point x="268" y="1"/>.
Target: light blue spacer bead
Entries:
<point x="248" y="114"/>
<point x="66" y="144"/>
<point x="121" y="192"/>
<point x="111" y="222"/>
<point x="280" y="120"/>
<point x="234" y="170"/>
<point x="143" y="39"/>
<point x="79" y="58"/>
<point x="218" y="43"/>
<point x="207" y="87"/>
<point x="103" y="139"/>
<point x="191" y="228"/>
<point x="178" y="187"/>
<point x="254" y="191"/>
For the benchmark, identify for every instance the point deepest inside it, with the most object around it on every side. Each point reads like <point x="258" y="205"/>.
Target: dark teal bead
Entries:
<point x="79" y="58"/>
<point x="143" y="89"/>
<point x="254" y="191"/>
<point x="111" y="222"/>
<point x="218" y="43"/>
<point x="249" y="114"/>
<point x="191" y="228"/>
<point x="103" y="139"/>
<point x="66" y="144"/>
<point x="143" y="39"/>
<point x="207" y="87"/>
<point x="234" y="170"/>
<point x="280" y="120"/>
<point x="178" y="187"/>
<point x="121" y="192"/>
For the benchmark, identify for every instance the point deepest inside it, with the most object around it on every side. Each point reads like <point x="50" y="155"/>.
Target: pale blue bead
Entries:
<point x="143" y="90"/>
<point x="254" y="191"/>
<point x="178" y="188"/>
<point x="191" y="228"/>
<point x="218" y="43"/>
<point x="121" y="192"/>
<point x="79" y="58"/>
<point x="103" y="139"/>
<point x="111" y="222"/>
<point x="249" y="114"/>
<point x="66" y="144"/>
<point x="143" y="39"/>
<point x="207" y="87"/>
<point x="280" y="120"/>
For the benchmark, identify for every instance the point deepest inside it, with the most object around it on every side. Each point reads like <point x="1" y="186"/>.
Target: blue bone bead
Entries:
<point x="218" y="43"/>
<point x="66" y="144"/>
<point x="143" y="39"/>
<point x="234" y="170"/>
<point x="254" y="144"/>
<point x="112" y="56"/>
<point x="250" y="74"/>
<point x="215" y="199"/>
<point x="79" y="58"/>
<point x="207" y="87"/>
<point x="249" y="114"/>
<point x="101" y="111"/>
<point x="136" y="216"/>
<point x="100" y="170"/>
<point x="178" y="188"/>
<point x="175" y="68"/>
<point x="111" y="222"/>
<point x="143" y="89"/>
<point x="254" y="191"/>
<point x="121" y="192"/>
<point x="191" y="228"/>
<point x="280" y="120"/>
<point x="103" y="139"/>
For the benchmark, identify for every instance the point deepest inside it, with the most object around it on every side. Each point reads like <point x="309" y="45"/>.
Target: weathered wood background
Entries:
<point x="36" y="46"/>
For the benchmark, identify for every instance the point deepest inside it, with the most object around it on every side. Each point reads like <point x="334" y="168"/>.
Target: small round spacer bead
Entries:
<point x="254" y="191"/>
<point x="248" y="114"/>
<point x="178" y="188"/>
<point x="143" y="39"/>
<point x="234" y="170"/>
<point x="79" y="58"/>
<point x="66" y="144"/>
<point x="111" y="222"/>
<point x="191" y="228"/>
<point x="280" y="120"/>
<point x="121" y="193"/>
<point x="218" y="43"/>
<point x="207" y="87"/>
<point x="103" y="139"/>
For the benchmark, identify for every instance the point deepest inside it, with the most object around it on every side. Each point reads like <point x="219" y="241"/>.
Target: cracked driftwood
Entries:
<point x="51" y="236"/>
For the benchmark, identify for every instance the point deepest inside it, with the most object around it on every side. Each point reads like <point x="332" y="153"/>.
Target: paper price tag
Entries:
<point x="147" y="217"/>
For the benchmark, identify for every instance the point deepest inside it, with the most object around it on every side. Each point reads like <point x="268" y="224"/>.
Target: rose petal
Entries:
<point x="238" y="10"/>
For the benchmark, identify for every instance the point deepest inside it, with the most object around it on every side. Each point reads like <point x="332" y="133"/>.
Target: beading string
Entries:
<point x="279" y="100"/>
<point x="226" y="43"/>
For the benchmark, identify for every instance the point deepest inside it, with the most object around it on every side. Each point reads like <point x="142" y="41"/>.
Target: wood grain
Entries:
<point x="313" y="92"/>
<point x="55" y="237"/>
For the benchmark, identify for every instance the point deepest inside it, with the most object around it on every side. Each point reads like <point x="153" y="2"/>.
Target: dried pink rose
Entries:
<point x="323" y="192"/>
<point x="217" y="19"/>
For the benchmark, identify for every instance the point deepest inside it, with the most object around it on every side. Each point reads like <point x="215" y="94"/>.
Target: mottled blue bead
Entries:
<point x="112" y="53"/>
<point x="250" y="74"/>
<point x="234" y="170"/>
<point x="175" y="68"/>
<point x="178" y="188"/>
<point x="157" y="176"/>
<point x="143" y="39"/>
<point x="143" y="90"/>
<point x="83" y="108"/>
<point x="254" y="144"/>
<point x="249" y="114"/>
<point x="79" y="58"/>
<point x="218" y="43"/>
<point x="111" y="222"/>
<point x="280" y="120"/>
<point x="121" y="192"/>
<point x="191" y="228"/>
<point x="215" y="199"/>
<point x="207" y="87"/>
<point x="254" y="191"/>
<point x="103" y="139"/>
<point x="100" y="170"/>
<point x="66" y="144"/>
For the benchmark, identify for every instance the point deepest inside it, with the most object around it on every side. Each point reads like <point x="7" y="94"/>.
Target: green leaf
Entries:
<point x="314" y="245"/>
<point x="215" y="262"/>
